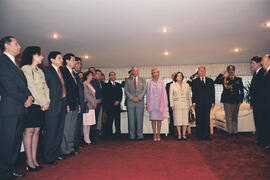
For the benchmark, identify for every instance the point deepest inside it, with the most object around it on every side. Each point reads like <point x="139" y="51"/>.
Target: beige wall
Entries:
<point x="213" y="70"/>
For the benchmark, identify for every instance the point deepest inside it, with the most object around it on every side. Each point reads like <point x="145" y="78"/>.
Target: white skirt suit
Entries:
<point x="180" y="98"/>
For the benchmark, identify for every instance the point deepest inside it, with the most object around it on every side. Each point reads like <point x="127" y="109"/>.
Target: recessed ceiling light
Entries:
<point x="86" y="56"/>
<point x="164" y="30"/>
<point x="267" y="24"/>
<point x="236" y="50"/>
<point x="55" y="35"/>
<point x="166" y="53"/>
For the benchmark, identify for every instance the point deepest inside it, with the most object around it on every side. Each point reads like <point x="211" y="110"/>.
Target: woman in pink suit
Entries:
<point x="156" y="98"/>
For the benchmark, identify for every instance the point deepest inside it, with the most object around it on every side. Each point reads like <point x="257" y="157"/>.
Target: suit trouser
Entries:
<point x="231" y="114"/>
<point x="113" y="114"/>
<point x="135" y="119"/>
<point x="93" y="132"/>
<point x="266" y="125"/>
<point x="171" y="126"/>
<point x="203" y="120"/>
<point x="67" y="145"/>
<point x="53" y="134"/>
<point x="11" y="133"/>
<point x="78" y="131"/>
<point x="258" y="120"/>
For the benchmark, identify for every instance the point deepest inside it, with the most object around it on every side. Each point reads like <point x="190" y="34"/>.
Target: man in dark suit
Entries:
<point x="78" y="132"/>
<point x="256" y="97"/>
<point x="232" y="96"/>
<point x="15" y="98"/>
<point x="266" y="102"/>
<point x="171" y="126"/>
<point x="112" y="101"/>
<point x="203" y="98"/>
<point x="98" y="111"/>
<point x="73" y="105"/>
<point x="55" y="116"/>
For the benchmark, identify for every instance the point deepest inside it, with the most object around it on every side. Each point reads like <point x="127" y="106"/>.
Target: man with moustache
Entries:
<point x="232" y="96"/>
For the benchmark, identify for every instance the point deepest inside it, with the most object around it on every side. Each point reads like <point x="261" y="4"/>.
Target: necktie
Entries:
<point x="64" y="91"/>
<point x="73" y="75"/>
<point x="134" y="83"/>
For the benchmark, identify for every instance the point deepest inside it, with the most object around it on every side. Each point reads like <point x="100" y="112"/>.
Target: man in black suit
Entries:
<point x="15" y="98"/>
<point x="112" y="101"/>
<point x="171" y="126"/>
<point x="78" y="132"/>
<point x="98" y="111"/>
<point x="73" y="105"/>
<point x="55" y="116"/>
<point x="256" y="98"/>
<point x="266" y="101"/>
<point x="232" y="96"/>
<point x="203" y="98"/>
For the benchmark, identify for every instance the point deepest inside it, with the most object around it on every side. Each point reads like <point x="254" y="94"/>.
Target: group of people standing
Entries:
<point x="74" y="108"/>
<point x="58" y="100"/>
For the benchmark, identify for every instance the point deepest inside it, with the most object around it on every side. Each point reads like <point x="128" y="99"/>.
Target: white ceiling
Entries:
<point x="127" y="32"/>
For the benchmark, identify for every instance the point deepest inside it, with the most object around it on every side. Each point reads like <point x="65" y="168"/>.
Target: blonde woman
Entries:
<point x="156" y="97"/>
<point x="180" y="102"/>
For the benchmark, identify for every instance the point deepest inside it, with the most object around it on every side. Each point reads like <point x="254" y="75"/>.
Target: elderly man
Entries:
<point x="135" y="89"/>
<point x="203" y="99"/>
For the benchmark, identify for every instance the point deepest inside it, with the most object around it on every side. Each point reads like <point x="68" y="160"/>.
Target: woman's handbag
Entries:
<point x="85" y="108"/>
<point x="191" y="117"/>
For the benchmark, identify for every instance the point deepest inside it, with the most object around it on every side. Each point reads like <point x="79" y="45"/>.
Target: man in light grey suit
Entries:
<point x="135" y="89"/>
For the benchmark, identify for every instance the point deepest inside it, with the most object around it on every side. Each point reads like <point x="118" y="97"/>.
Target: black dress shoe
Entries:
<point x="30" y="169"/>
<point x="17" y="175"/>
<point x="76" y="152"/>
<point x="130" y="139"/>
<point x="39" y="167"/>
<point x="61" y="157"/>
<point x="140" y="139"/>
<point x="51" y="162"/>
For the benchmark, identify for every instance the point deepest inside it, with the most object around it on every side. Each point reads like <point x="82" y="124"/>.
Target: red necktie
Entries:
<point x="64" y="91"/>
<point x="134" y="83"/>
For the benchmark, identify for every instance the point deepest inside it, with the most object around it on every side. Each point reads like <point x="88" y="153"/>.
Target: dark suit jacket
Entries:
<point x="203" y="94"/>
<point x="236" y="94"/>
<point x="80" y="89"/>
<point x="98" y="87"/>
<point x="14" y="91"/>
<point x="168" y="91"/>
<point x="265" y="91"/>
<point x="72" y="97"/>
<point x="112" y="94"/>
<point x="55" y="86"/>
<point x="256" y="87"/>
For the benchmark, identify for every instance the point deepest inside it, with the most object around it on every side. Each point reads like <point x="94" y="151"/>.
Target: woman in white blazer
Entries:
<point x="180" y="102"/>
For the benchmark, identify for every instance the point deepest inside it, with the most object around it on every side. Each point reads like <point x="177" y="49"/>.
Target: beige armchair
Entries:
<point x="245" y="118"/>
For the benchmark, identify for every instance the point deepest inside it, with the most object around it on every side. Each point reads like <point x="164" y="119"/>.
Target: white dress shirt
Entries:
<point x="11" y="57"/>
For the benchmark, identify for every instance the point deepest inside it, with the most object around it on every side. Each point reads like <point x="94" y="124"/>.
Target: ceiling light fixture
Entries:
<point x="86" y="57"/>
<point x="236" y="50"/>
<point x="166" y="53"/>
<point x="267" y="25"/>
<point x="55" y="35"/>
<point x="164" y="30"/>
